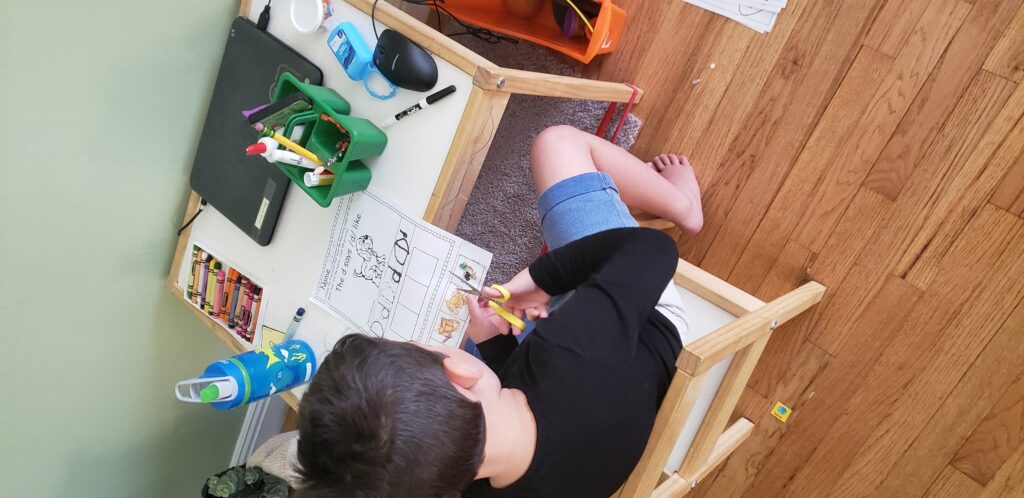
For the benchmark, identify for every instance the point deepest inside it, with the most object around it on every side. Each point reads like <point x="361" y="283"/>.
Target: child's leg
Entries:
<point x="667" y="188"/>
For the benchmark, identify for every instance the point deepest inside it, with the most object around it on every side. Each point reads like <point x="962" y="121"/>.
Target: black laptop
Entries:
<point x="248" y="190"/>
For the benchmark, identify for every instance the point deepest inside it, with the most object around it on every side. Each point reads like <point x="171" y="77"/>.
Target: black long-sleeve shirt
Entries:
<point x="595" y="371"/>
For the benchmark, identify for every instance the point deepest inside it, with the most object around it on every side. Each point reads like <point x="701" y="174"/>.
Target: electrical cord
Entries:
<point x="485" y="35"/>
<point x="264" y="19"/>
<point x="202" y="203"/>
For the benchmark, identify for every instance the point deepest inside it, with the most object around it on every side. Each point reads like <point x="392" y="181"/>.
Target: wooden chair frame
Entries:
<point x="746" y="338"/>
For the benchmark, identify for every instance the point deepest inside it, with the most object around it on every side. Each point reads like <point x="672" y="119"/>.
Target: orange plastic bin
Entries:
<point x="541" y="28"/>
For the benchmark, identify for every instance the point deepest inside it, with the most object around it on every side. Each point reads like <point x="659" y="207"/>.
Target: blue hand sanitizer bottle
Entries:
<point x="250" y="376"/>
<point x="356" y="57"/>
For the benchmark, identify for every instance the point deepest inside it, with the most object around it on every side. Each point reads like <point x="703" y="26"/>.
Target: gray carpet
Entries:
<point x="501" y="216"/>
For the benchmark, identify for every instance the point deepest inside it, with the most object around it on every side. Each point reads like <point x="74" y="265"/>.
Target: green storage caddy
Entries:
<point x="321" y="138"/>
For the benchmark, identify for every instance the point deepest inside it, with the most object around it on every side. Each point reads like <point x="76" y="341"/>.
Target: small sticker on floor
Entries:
<point x="781" y="411"/>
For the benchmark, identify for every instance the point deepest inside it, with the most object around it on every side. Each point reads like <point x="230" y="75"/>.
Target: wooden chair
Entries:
<point x="728" y="332"/>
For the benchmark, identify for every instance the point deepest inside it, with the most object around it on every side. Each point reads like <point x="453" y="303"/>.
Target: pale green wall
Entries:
<point x="101" y="103"/>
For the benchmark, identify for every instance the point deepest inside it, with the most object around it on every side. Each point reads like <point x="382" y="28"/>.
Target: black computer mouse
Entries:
<point x="404" y="63"/>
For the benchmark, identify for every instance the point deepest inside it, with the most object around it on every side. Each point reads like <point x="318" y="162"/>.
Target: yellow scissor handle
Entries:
<point x="505" y="294"/>
<point x="507" y="315"/>
<point x="501" y="311"/>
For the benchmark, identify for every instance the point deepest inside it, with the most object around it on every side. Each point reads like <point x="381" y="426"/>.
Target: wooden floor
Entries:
<point x="876" y="144"/>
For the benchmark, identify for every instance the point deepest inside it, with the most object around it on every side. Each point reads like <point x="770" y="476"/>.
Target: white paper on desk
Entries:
<point x="752" y="17"/>
<point x="388" y="274"/>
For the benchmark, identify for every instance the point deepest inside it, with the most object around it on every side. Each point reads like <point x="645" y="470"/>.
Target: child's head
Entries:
<point x="385" y="418"/>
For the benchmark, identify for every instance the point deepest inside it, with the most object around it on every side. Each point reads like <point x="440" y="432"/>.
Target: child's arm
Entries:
<point x="619" y="275"/>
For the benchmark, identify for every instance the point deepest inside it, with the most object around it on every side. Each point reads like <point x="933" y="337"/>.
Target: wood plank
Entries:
<point x="695" y="463"/>
<point x="882" y="318"/>
<point x="751" y="405"/>
<point x="788" y="272"/>
<point x="1010" y="193"/>
<point x="794" y="391"/>
<point x="724" y="47"/>
<point x="959" y="137"/>
<point x="633" y="49"/>
<point x="673" y="487"/>
<point x="1002" y="430"/>
<point x="983" y="387"/>
<point x="721" y="120"/>
<point x="893" y="25"/>
<point x="702" y="354"/>
<point x="895" y="399"/>
<point x="968" y="190"/>
<point x="787" y="209"/>
<point x="995" y="438"/>
<point x="775" y="128"/>
<point x="1009" y="481"/>
<point x="721" y="191"/>
<point x="1007" y="57"/>
<point x="952" y="483"/>
<point x="715" y="290"/>
<point x="705" y="137"/>
<point x="532" y="83"/>
<point x="908" y="73"/>
<point x="469" y="148"/>
<point x="962" y="60"/>
<point x="727" y="443"/>
<point x="675" y="408"/>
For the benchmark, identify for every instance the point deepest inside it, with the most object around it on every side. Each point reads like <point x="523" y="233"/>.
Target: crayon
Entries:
<point x="229" y="285"/>
<point x="218" y="297"/>
<point x="235" y="288"/>
<point x="246" y="309"/>
<point x="211" y="287"/>
<point x="192" y="271"/>
<point x="202" y="280"/>
<point x="256" y="300"/>
<point x="240" y="293"/>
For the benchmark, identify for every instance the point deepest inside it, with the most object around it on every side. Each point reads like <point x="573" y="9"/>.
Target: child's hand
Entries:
<point x="526" y="298"/>
<point x="484" y="323"/>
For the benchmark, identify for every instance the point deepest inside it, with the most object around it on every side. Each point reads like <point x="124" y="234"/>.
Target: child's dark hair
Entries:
<point x="381" y="419"/>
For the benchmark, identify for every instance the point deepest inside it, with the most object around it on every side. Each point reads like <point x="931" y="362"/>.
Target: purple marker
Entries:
<point x="254" y="110"/>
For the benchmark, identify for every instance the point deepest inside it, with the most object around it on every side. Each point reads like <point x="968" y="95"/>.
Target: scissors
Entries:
<point x="493" y="302"/>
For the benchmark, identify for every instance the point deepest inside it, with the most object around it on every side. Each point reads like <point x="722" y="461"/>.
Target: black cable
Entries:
<point x="482" y="34"/>
<point x="202" y="202"/>
<point x="264" y="19"/>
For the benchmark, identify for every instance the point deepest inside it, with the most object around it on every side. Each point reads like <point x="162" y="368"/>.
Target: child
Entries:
<point x="565" y="413"/>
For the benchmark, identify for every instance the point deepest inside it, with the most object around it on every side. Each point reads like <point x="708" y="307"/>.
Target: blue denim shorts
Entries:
<point x="571" y="209"/>
<point x="579" y="206"/>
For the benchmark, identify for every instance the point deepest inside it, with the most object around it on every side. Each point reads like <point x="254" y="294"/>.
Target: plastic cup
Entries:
<point x="307" y="15"/>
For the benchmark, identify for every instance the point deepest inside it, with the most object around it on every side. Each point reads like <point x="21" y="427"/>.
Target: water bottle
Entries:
<point x="250" y="376"/>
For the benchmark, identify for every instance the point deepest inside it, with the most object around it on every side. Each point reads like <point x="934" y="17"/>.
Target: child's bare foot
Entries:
<point x="677" y="170"/>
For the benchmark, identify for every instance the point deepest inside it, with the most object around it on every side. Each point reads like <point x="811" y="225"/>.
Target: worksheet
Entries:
<point x="760" y="17"/>
<point x="393" y="275"/>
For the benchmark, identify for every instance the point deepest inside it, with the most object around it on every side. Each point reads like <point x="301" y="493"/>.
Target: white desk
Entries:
<point x="428" y="167"/>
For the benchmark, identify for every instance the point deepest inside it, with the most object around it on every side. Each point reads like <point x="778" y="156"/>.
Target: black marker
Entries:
<point x="434" y="97"/>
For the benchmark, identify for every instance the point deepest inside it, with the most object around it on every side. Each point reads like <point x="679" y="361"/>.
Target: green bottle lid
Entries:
<point x="209" y="393"/>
